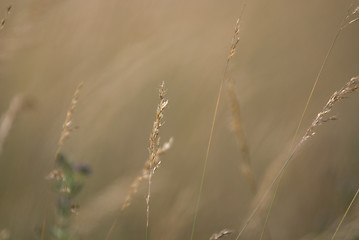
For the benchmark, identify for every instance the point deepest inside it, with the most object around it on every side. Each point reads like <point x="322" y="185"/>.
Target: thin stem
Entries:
<point x="206" y="159"/>
<point x="271" y="205"/>
<point x="235" y="41"/>
<point x="148" y="204"/>
<point x="113" y="226"/>
<point x="315" y="84"/>
<point x="322" y="117"/>
<point x="345" y="214"/>
<point x="303" y="114"/>
<point x="267" y="191"/>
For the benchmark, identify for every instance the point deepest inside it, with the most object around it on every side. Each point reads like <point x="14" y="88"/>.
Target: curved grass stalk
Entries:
<point x="151" y="165"/>
<point x="345" y="22"/>
<point x="321" y="118"/>
<point x="232" y="51"/>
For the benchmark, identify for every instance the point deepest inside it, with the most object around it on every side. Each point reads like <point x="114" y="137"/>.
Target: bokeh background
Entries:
<point x="123" y="50"/>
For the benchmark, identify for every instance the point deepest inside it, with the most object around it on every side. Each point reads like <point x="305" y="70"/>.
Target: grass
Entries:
<point x="345" y="214"/>
<point x="67" y="180"/>
<point x="133" y="210"/>
<point x="151" y="165"/>
<point x="345" y="23"/>
<point x="232" y="50"/>
<point x="322" y="118"/>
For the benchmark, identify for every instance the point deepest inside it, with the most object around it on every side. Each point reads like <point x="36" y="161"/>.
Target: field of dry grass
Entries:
<point x="122" y="51"/>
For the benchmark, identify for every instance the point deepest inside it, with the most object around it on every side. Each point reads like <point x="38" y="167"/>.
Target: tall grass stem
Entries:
<point x="305" y="111"/>
<point x="345" y="214"/>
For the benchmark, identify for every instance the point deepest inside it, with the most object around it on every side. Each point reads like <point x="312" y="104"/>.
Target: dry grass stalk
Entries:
<point x="350" y="18"/>
<point x="235" y="40"/>
<point x="3" y="21"/>
<point x="266" y="179"/>
<point x="152" y="163"/>
<point x="245" y="165"/>
<point x="232" y="51"/>
<point x="345" y="214"/>
<point x="224" y="232"/>
<point x="145" y="173"/>
<point x="17" y="104"/>
<point x="322" y="117"/>
<point x="67" y="127"/>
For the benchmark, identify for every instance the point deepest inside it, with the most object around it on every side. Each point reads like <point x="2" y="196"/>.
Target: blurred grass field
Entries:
<point x="123" y="50"/>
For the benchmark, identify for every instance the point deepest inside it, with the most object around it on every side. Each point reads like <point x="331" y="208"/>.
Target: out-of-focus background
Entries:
<point x="123" y="50"/>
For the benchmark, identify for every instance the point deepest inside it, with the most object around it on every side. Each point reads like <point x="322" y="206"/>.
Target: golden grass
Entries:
<point x="246" y="164"/>
<point x="322" y="117"/>
<point x="57" y="174"/>
<point x="68" y="127"/>
<point x="345" y="214"/>
<point x="262" y="191"/>
<point x="153" y="162"/>
<point x="151" y="165"/>
<point x="232" y="51"/>
<point x="345" y="23"/>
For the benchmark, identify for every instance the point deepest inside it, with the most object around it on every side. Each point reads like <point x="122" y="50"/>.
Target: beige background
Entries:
<point x="123" y="50"/>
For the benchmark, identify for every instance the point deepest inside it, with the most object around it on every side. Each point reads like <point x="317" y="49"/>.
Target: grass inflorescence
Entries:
<point x="151" y="165"/>
<point x="67" y="177"/>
